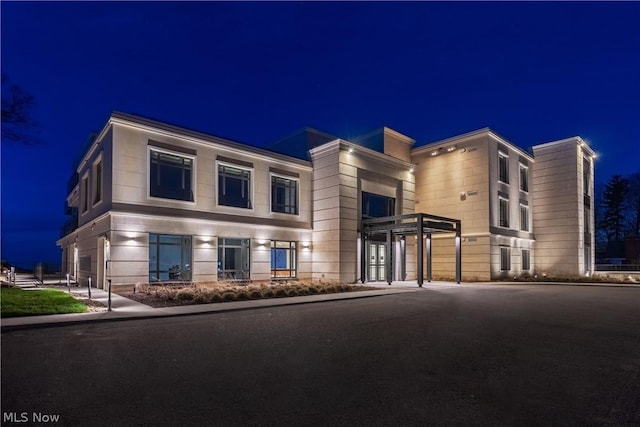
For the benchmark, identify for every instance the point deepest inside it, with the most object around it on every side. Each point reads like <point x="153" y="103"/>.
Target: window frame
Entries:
<point x="84" y="193"/>
<point x="524" y="225"/>
<point x="292" y="258"/>
<point x="505" y="258"/>
<point x="524" y="184"/>
<point x="526" y="266"/>
<point x="272" y="193"/>
<point x="505" y="156"/>
<point x="97" y="185"/>
<point x="222" y="246"/>
<point x="150" y="150"/>
<point x="503" y="223"/>
<point x="158" y="244"/>
<point x="251" y="185"/>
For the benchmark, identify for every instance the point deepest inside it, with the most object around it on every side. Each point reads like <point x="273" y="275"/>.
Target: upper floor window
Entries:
<point x="84" y="193"/>
<point x="97" y="181"/>
<point x="504" y="212"/>
<point x="586" y="176"/>
<point x="524" y="218"/>
<point x="376" y="206"/>
<point x="524" y="178"/>
<point x="171" y="176"/>
<point x="234" y="186"/>
<point x="284" y="195"/>
<point x="503" y="167"/>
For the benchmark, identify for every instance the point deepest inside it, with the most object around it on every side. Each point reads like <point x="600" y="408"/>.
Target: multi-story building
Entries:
<point x="159" y="203"/>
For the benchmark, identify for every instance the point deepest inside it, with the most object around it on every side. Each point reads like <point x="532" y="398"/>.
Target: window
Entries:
<point x="524" y="218"/>
<point x="504" y="212"/>
<point x="284" y="195"/>
<point x="97" y="182"/>
<point x="233" y="259"/>
<point x="524" y="178"/>
<point x="587" y="219"/>
<point x="503" y="167"/>
<point x="170" y="176"/>
<point x="526" y="259"/>
<point x="169" y="257"/>
<point x="85" y="193"/>
<point x="376" y="206"/>
<point x="234" y="186"/>
<point x="283" y="259"/>
<point x="586" y="176"/>
<point x="505" y="258"/>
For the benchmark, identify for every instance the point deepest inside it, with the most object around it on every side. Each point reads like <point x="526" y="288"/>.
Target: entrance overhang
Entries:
<point x="421" y="225"/>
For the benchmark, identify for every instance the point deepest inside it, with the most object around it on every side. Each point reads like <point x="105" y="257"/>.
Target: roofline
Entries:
<point x="479" y="132"/>
<point x="575" y="139"/>
<point x="372" y="154"/>
<point x="385" y="130"/>
<point x="118" y="117"/>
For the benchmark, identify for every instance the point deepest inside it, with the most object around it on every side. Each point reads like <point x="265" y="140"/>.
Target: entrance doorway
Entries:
<point x="377" y="272"/>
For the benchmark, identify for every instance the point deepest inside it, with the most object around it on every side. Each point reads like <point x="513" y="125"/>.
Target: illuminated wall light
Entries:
<point x="350" y="150"/>
<point x="434" y="153"/>
<point x="411" y="170"/>
<point x="452" y="148"/>
<point x="305" y="245"/>
<point x="595" y="156"/>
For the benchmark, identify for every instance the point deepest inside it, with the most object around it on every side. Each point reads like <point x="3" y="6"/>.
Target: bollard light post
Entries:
<point x="109" y="300"/>
<point x="89" y="287"/>
<point x="68" y="284"/>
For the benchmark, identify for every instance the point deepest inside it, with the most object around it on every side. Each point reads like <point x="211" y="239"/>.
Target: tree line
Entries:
<point x="617" y="210"/>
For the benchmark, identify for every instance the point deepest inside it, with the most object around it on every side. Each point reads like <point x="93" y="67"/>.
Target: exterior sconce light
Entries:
<point x="595" y="156"/>
<point x="434" y="153"/>
<point x="410" y="170"/>
<point x="305" y="245"/>
<point x="350" y="150"/>
<point x="452" y="148"/>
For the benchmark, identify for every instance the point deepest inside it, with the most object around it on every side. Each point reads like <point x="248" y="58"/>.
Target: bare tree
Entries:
<point x="17" y="110"/>
<point x="614" y="200"/>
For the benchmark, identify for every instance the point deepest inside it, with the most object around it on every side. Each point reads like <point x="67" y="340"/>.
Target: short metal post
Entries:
<point x="68" y="284"/>
<point x="109" y="300"/>
<point x="89" y="287"/>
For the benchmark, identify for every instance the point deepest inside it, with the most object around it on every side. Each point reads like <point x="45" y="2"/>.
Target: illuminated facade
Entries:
<point x="159" y="203"/>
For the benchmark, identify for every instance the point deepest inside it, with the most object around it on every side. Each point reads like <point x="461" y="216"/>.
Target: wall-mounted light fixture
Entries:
<point x="305" y="245"/>
<point x="450" y="149"/>
<point x="411" y="170"/>
<point x="434" y="153"/>
<point x="350" y="150"/>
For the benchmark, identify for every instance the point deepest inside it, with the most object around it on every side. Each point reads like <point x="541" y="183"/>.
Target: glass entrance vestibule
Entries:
<point x="378" y="245"/>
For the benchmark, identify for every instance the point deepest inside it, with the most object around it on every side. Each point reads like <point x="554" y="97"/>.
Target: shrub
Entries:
<point x="185" y="294"/>
<point x="242" y="296"/>
<point x="229" y="296"/>
<point x="313" y="290"/>
<point x="255" y="294"/>
<point x="267" y="293"/>
<point x="292" y="292"/>
<point x="281" y="292"/>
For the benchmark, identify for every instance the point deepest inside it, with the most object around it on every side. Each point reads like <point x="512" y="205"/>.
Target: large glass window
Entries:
<point x="376" y="206"/>
<point x="503" y="167"/>
<point x="97" y="182"/>
<point x="504" y="212"/>
<point x="283" y="259"/>
<point x="171" y="176"/>
<point x="233" y="259"/>
<point x="586" y="176"/>
<point x="234" y="186"/>
<point x="526" y="259"/>
<point x="284" y="195"/>
<point x="169" y="257"/>
<point x="524" y="178"/>
<point x="505" y="258"/>
<point x="524" y="218"/>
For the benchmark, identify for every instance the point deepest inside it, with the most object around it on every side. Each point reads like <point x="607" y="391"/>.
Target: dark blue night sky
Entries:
<point x="256" y="72"/>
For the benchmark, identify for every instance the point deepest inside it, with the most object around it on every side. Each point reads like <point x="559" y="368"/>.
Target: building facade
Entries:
<point x="157" y="203"/>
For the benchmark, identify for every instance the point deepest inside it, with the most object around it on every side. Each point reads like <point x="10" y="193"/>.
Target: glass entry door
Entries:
<point x="376" y="262"/>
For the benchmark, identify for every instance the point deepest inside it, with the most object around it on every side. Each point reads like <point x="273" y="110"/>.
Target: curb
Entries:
<point x="194" y="309"/>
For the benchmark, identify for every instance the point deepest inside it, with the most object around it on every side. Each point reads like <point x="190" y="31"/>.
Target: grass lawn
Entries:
<point x="16" y="302"/>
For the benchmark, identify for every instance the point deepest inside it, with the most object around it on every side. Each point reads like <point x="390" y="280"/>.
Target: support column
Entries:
<point x="387" y="260"/>
<point x="420" y="252"/>
<point x="429" y="269"/>
<point x="458" y="252"/>
<point x="363" y="256"/>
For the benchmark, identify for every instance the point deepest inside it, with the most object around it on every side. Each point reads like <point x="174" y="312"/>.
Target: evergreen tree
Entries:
<point x="615" y="201"/>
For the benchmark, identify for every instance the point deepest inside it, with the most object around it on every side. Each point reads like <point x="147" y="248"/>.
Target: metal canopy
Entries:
<point x="422" y="226"/>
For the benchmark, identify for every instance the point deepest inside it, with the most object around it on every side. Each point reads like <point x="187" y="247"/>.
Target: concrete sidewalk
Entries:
<point x="127" y="309"/>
